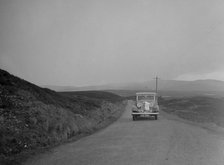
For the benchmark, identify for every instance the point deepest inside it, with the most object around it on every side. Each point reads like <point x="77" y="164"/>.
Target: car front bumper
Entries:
<point x="145" y="113"/>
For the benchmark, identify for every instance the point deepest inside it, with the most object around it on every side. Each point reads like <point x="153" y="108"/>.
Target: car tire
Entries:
<point x="133" y="117"/>
<point x="156" y="117"/>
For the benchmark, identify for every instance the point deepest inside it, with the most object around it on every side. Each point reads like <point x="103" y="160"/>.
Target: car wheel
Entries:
<point x="156" y="117"/>
<point x="133" y="117"/>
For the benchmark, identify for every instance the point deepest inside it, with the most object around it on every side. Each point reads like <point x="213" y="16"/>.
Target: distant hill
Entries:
<point x="164" y="85"/>
<point x="61" y="88"/>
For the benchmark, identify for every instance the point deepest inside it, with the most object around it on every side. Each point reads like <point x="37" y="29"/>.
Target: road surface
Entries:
<point x="143" y="142"/>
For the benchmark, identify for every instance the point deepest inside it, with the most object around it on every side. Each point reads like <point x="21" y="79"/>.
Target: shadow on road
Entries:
<point x="145" y="118"/>
<point x="138" y="119"/>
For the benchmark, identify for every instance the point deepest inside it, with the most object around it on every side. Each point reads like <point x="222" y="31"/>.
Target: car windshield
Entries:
<point x="146" y="97"/>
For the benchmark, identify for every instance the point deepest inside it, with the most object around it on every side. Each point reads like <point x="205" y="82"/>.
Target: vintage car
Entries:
<point x="146" y="105"/>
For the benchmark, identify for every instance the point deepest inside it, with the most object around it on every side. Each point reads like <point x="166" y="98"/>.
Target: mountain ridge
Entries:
<point x="174" y="85"/>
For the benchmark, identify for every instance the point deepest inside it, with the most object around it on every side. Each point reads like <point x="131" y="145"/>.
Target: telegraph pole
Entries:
<point x="156" y="83"/>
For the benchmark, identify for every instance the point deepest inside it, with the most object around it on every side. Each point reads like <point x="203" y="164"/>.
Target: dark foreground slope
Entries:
<point x="32" y="117"/>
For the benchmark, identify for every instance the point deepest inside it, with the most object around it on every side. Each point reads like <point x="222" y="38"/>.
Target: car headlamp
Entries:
<point x="139" y="105"/>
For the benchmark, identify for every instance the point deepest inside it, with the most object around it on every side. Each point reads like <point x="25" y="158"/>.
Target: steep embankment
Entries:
<point x="32" y="117"/>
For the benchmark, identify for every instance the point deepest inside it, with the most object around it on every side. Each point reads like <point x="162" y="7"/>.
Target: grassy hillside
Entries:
<point x="32" y="117"/>
<point x="198" y="109"/>
<point x="102" y="95"/>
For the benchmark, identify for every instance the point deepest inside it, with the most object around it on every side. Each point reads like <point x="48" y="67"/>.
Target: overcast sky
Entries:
<point x="90" y="42"/>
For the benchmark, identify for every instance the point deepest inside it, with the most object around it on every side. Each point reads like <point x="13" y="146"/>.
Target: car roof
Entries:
<point x="146" y="93"/>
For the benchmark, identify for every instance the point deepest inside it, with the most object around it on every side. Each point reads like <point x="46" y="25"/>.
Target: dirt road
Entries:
<point x="146" y="142"/>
